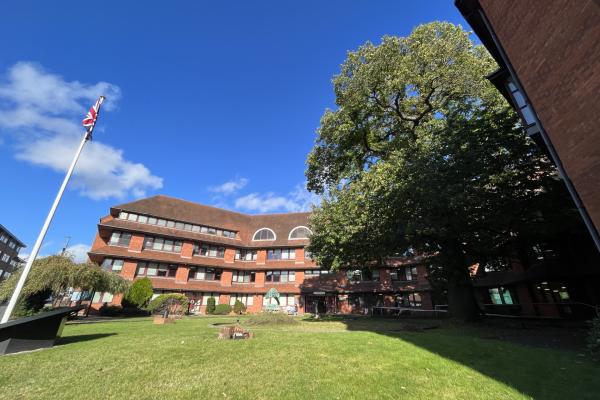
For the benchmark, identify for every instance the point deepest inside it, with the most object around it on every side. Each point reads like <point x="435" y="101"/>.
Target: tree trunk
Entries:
<point x="462" y="304"/>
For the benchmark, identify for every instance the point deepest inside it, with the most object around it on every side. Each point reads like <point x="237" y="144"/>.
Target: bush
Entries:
<point x="593" y="339"/>
<point x="222" y="309"/>
<point x="176" y="302"/>
<point x="239" y="307"/>
<point x="110" y="311"/>
<point x="271" y="319"/>
<point x="210" y="305"/>
<point x="139" y="294"/>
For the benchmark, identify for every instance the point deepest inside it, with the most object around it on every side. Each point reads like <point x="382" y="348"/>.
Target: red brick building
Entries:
<point x="549" y="58"/>
<point x="205" y="252"/>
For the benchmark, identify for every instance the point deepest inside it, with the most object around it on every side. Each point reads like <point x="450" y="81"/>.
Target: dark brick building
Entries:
<point x="548" y="53"/>
<point x="9" y="252"/>
<point x="205" y="252"/>
<point x="549" y="58"/>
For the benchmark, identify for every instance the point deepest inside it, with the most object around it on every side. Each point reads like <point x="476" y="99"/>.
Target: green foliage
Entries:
<point x="31" y="304"/>
<point x="222" y="309"/>
<point x="422" y="151"/>
<point x="210" y="305"/>
<point x="239" y="307"/>
<point x="176" y="302"/>
<point x="139" y="293"/>
<point x="593" y="339"/>
<point x="54" y="274"/>
<point x="271" y="319"/>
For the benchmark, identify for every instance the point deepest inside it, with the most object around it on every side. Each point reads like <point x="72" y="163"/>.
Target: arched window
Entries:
<point x="300" y="232"/>
<point x="264" y="234"/>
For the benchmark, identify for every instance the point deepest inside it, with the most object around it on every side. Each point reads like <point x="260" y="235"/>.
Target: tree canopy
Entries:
<point x="57" y="273"/>
<point x="422" y="151"/>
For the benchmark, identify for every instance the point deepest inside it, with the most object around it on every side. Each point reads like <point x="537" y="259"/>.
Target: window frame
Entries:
<point x="264" y="240"/>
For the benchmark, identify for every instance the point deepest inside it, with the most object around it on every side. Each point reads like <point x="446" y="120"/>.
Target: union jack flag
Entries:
<point x="90" y="119"/>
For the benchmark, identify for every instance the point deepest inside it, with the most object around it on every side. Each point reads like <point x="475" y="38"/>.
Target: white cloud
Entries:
<point x="78" y="252"/>
<point x="297" y="200"/>
<point x="230" y="187"/>
<point x="42" y="113"/>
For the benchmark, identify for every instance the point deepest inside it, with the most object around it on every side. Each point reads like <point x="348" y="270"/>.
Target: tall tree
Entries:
<point x="422" y="151"/>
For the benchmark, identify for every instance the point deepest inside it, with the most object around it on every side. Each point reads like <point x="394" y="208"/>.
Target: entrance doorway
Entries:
<point x="319" y="304"/>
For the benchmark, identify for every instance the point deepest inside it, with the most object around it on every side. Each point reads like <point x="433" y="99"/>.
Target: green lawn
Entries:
<point x="363" y="359"/>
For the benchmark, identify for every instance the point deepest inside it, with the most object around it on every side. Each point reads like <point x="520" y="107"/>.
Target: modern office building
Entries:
<point x="549" y="58"/>
<point x="205" y="252"/>
<point x="9" y="253"/>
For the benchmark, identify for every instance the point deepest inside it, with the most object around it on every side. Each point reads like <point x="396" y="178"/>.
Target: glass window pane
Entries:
<point x="143" y="219"/>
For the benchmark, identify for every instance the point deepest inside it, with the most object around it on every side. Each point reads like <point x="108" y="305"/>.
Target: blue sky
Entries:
<point x="214" y="102"/>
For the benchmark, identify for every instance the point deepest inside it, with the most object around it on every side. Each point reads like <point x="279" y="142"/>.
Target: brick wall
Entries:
<point x="553" y="47"/>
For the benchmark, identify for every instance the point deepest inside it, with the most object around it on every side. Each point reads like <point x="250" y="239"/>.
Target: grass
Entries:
<point x="334" y="359"/>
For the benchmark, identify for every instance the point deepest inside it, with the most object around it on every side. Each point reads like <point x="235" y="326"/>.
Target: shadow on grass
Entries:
<point x="81" y="338"/>
<point x="541" y="373"/>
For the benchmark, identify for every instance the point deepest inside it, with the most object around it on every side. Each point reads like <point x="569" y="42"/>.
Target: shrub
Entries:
<point x="110" y="311"/>
<point x="239" y="307"/>
<point x="139" y="293"/>
<point x="593" y="339"/>
<point x="210" y="305"/>
<point x="176" y="303"/>
<point x="269" y="318"/>
<point x="222" y="309"/>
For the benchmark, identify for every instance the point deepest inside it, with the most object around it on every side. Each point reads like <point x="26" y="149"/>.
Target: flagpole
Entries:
<point x="36" y="248"/>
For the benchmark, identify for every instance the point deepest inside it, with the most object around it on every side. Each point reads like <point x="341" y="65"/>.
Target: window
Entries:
<point x="246" y="299"/>
<point x="245" y="255"/>
<point x="110" y="264"/>
<point x="523" y="108"/>
<point x="205" y="274"/>
<point x="500" y="295"/>
<point x="243" y="276"/>
<point x="102" y="297"/>
<point x="208" y="250"/>
<point x="284" y="300"/>
<point x="366" y="274"/>
<point x="120" y="239"/>
<point x="12" y="244"/>
<point x="5" y="257"/>
<point x="300" y="232"/>
<point x="408" y="300"/>
<point x="208" y="295"/>
<point x="404" y="274"/>
<point x="3" y="237"/>
<point x="281" y="276"/>
<point x="281" y="254"/>
<point x="146" y="219"/>
<point x="156" y="269"/>
<point x="264" y="234"/>
<point x="316" y="272"/>
<point x="162" y="244"/>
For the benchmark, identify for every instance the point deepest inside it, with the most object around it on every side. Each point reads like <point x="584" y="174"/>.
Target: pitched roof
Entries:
<point x="246" y="224"/>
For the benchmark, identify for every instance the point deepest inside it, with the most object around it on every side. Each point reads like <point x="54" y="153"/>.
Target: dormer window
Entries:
<point x="264" y="234"/>
<point x="299" y="232"/>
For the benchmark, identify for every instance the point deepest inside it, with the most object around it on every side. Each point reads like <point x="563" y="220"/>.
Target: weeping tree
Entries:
<point x="54" y="275"/>
<point x="423" y="152"/>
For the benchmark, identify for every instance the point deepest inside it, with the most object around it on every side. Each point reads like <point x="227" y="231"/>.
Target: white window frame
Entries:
<point x="264" y="240"/>
<point x="298" y="227"/>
